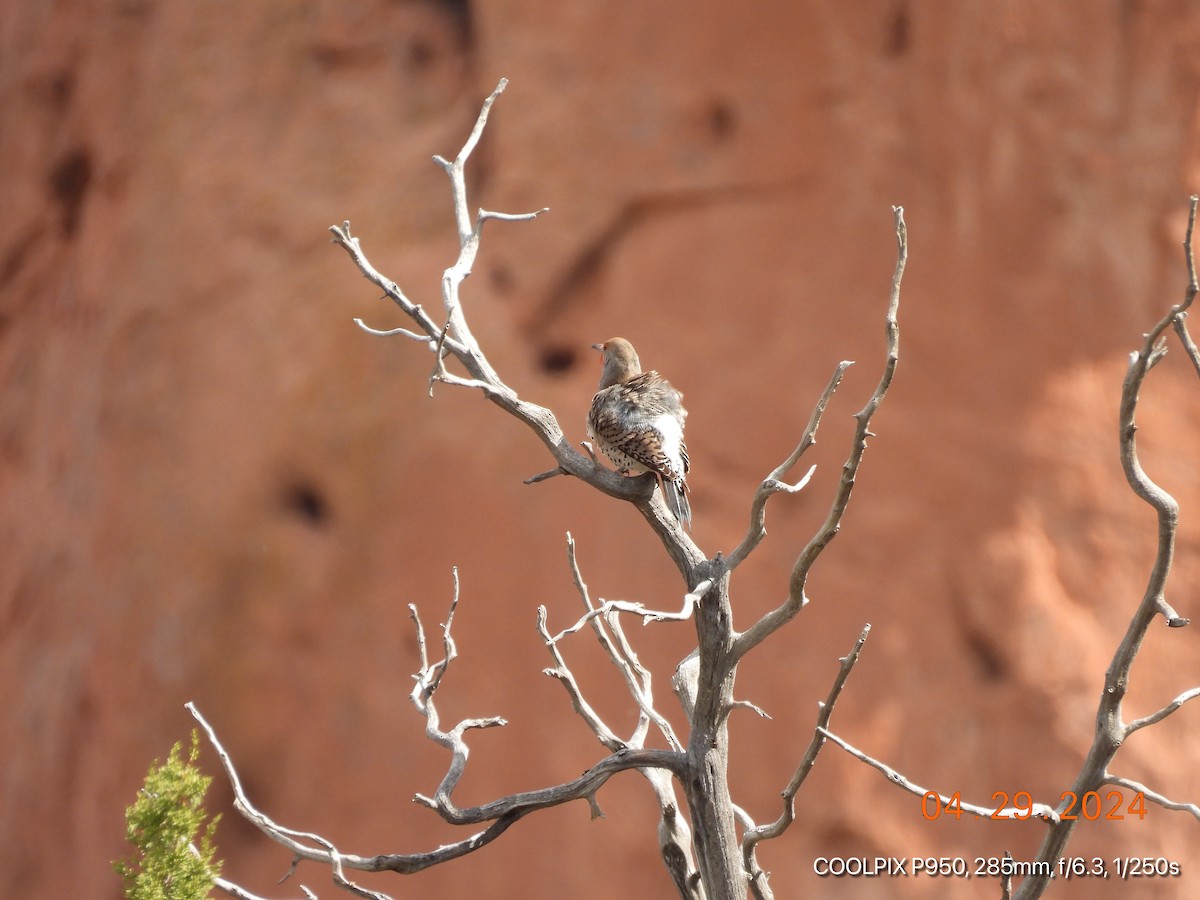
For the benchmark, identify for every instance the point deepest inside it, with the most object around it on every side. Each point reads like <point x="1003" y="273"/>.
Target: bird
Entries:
<point x="636" y="420"/>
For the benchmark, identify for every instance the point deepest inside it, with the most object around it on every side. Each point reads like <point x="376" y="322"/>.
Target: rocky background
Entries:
<point x="214" y="487"/>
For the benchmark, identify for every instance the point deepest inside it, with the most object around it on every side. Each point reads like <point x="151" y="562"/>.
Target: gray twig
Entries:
<point x="774" y="483"/>
<point x="758" y="878"/>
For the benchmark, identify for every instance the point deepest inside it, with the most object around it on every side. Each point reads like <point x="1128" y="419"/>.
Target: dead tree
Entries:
<point x="708" y="844"/>
<point x="1111" y="728"/>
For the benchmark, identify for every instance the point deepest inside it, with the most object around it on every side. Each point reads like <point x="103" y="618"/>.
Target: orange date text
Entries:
<point x="1091" y="806"/>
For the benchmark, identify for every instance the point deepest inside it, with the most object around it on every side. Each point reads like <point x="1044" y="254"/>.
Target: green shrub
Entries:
<point x="163" y="825"/>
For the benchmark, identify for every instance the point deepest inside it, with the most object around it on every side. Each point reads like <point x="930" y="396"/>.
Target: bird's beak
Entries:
<point x="598" y="347"/>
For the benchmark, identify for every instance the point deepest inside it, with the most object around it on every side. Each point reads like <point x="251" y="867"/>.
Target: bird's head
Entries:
<point x="620" y="362"/>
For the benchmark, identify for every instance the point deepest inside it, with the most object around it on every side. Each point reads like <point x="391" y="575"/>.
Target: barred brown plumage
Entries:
<point x="636" y="420"/>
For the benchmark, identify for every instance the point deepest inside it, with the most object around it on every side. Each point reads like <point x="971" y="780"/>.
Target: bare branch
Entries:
<point x="640" y="681"/>
<point x="563" y="672"/>
<point x="796" y="599"/>
<point x="1189" y="256"/>
<point x="690" y="601"/>
<point x="456" y="338"/>
<point x="1189" y="346"/>
<point x="224" y="884"/>
<point x="289" y="838"/>
<point x="430" y="676"/>
<point x="593" y="611"/>
<point x="1110" y="729"/>
<point x="706" y="687"/>
<point x="1035" y="811"/>
<point x="1174" y="619"/>
<point x="758" y="878"/>
<point x="1006" y="878"/>
<point x="753" y="707"/>
<point x="485" y="214"/>
<point x="596" y="612"/>
<point x="389" y="332"/>
<point x="351" y="244"/>
<point x="440" y="373"/>
<point x="455" y="169"/>
<point x="567" y="678"/>
<point x="610" y="634"/>
<point x="674" y="834"/>
<point x="428" y="680"/>
<point x="1157" y="717"/>
<point x="547" y="475"/>
<point x="774" y="482"/>
<point x="1139" y="365"/>
<point x="502" y="813"/>
<point x="584" y="786"/>
<point x="1130" y="785"/>
<point x="234" y="890"/>
<point x="339" y="874"/>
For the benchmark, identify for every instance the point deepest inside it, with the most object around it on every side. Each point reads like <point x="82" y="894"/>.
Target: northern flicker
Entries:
<point x="636" y="420"/>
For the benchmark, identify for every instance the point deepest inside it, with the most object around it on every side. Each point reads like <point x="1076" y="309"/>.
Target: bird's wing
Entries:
<point x="638" y="439"/>
<point x="653" y="395"/>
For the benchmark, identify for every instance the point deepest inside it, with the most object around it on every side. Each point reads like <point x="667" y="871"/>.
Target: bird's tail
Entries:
<point x="675" y="493"/>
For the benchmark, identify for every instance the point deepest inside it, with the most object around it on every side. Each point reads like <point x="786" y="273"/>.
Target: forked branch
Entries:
<point x="453" y="338"/>
<point x="1111" y="730"/>
<point x="704" y="681"/>
<point x="674" y="835"/>
<point x="758" y="878"/>
<point x="796" y="598"/>
<point x="774" y="483"/>
<point x="497" y="815"/>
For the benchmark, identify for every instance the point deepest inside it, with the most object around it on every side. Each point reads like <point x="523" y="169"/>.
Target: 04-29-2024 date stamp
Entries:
<point x="1091" y="806"/>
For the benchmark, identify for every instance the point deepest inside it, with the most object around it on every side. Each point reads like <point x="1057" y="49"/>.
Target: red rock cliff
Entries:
<point x="213" y="487"/>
